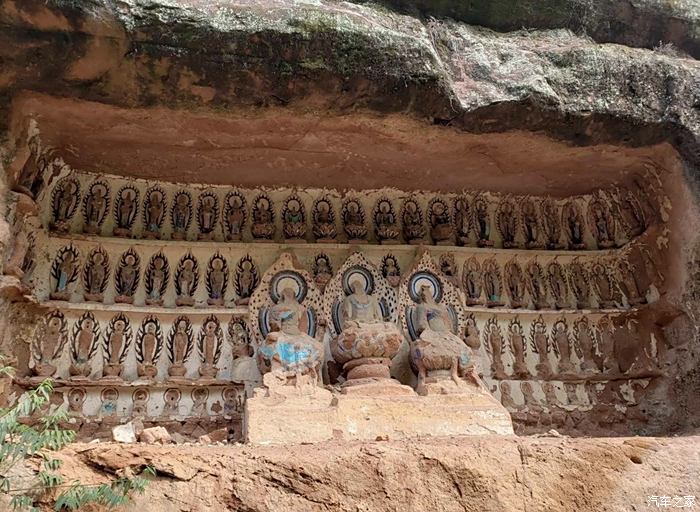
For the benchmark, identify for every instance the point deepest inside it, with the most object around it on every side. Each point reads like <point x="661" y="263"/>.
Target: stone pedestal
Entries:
<point x="323" y="416"/>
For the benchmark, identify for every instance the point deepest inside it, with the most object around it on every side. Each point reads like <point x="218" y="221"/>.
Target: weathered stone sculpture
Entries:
<point x="263" y="227"/>
<point x="412" y="220"/>
<point x="64" y="203"/>
<point x="200" y="397"/>
<point x="562" y="348"/>
<point x="580" y="283"/>
<point x="157" y="277"/>
<point x="448" y="267"/>
<point x="324" y="221"/>
<point x="186" y="280"/>
<point x="471" y="281"/>
<point x="551" y="219"/>
<point x="246" y="279"/>
<point x="179" y="347"/>
<point x="629" y="283"/>
<point x="432" y="312"/>
<point x="115" y="346"/>
<point x="558" y="285"/>
<point x="217" y="280"/>
<point x="367" y="343"/>
<point x="515" y="284"/>
<point x="441" y="229"/>
<point x="492" y="283"/>
<point x="531" y="223"/>
<point x="607" y="361"/>
<point x="83" y="347"/>
<point x="585" y="344"/>
<point x="64" y="272"/>
<point x="95" y="275"/>
<point x="602" y="223"/>
<point x="95" y="206"/>
<point x="139" y="399"/>
<point x="244" y="368"/>
<point x="323" y="272"/>
<point x="149" y="344"/>
<point x="127" y="277"/>
<point x="386" y="227"/>
<point x="354" y="221"/>
<point x="30" y="179"/>
<point x="507" y="222"/>
<point x="153" y="212"/>
<point x="539" y="343"/>
<point x="207" y="215"/>
<point x="171" y="403"/>
<point x="181" y="214"/>
<point x="49" y="339"/>
<point x="209" y="345"/>
<point x="125" y="210"/>
<point x="440" y="356"/>
<point x="573" y="220"/>
<point x="290" y="356"/>
<point x="495" y="346"/>
<point x="294" y="219"/>
<point x="604" y="286"/>
<point x="235" y="216"/>
<point x="632" y="213"/>
<point x="537" y="285"/>
<point x="518" y="347"/>
<point x="108" y="406"/>
<point x="391" y="270"/>
<point x="364" y="339"/>
<point x="20" y="256"/>
<point x="483" y="222"/>
<point x="234" y="401"/>
<point x="471" y="334"/>
<point x="507" y="397"/>
<point x="463" y="220"/>
<point x="76" y="401"/>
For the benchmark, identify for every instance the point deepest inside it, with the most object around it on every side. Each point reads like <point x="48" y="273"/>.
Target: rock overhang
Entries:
<point x="336" y="61"/>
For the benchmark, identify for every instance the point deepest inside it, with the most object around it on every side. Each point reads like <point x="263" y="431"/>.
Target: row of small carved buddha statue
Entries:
<point x="605" y="407"/>
<point x="233" y="399"/>
<point x="87" y="337"/>
<point x="484" y="283"/>
<point x="65" y="271"/>
<point x="526" y="222"/>
<point x="593" y="346"/>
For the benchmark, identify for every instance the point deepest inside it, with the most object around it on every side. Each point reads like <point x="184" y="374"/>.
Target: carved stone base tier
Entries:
<point x="123" y="233"/>
<point x="324" y="416"/>
<point x="63" y="296"/>
<point x="44" y="370"/>
<point x="376" y="387"/>
<point x="368" y="368"/>
<point x="93" y="297"/>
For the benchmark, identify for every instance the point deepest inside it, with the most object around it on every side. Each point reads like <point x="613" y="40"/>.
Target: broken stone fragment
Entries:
<point x="155" y="435"/>
<point x="124" y="433"/>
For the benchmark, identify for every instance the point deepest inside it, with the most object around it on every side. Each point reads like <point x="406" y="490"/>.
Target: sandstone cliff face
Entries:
<point x="483" y="473"/>
<point x="571" y="75"/>
<point x="344" y="57"/>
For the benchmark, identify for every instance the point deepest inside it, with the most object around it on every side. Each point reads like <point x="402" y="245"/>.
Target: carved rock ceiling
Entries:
<point x="282" y="147"/>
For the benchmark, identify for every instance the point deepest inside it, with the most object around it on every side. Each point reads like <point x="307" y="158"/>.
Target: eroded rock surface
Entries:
<point x="482" y="473"/>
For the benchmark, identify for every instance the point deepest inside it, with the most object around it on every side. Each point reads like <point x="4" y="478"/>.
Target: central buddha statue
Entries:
<point x="289" y="356"/>
<point x="367" y="342"/>
<point x="439" y="355"/>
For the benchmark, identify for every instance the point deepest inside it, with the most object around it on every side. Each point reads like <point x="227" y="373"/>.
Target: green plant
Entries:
<point x="20" y="442"/>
